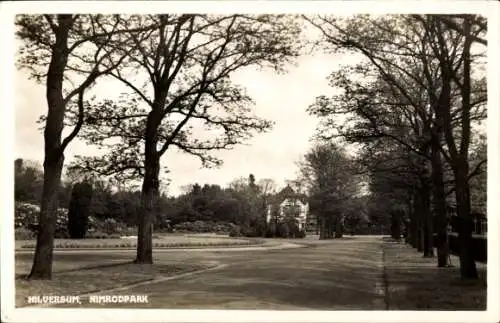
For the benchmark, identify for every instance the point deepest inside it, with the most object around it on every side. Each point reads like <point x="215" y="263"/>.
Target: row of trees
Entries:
<point x="415" y="102"/>
<point x="175" y="71"/>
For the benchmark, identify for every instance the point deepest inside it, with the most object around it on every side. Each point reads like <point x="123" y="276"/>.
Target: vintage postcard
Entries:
<point x="250" y="161"/>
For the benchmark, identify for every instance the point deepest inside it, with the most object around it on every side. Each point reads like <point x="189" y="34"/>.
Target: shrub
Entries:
<point x="130" y="231"/>
<point x="250" y="232"/>
<point x="235" y="232"/>
<point x="288" y="228"/>
<point x="97" y="235"/>
<point x="204" y="227"/>
<point x="61" y="233"/>
<point x="271" y="230"/>
<point x="283" y="230"/>
<point x="23" y="234"/>
<point x="300" y="234"/>
<point x="79" y="209"/>
<point x="26" y="216"/>
<point x="110" y="226"/>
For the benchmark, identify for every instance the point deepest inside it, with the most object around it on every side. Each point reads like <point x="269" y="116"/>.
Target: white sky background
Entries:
<point x="282" y="98"/>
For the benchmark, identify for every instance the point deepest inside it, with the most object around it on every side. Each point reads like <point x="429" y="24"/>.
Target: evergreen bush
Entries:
<point x="79" y="209"/>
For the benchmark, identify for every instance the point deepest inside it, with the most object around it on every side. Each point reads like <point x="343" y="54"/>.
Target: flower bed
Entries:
<point x="165" y="242"/>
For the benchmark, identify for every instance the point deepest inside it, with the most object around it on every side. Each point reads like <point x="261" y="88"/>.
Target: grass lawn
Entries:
<point x="75" y="274"/>
<point x="338" y="275"/>
<point x="69" y="279"/>
<point x="415" y="283"/>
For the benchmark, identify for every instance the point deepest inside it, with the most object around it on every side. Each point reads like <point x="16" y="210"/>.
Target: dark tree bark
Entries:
<point x="413" y="233"/>
<point x="338" y="226"/>
<point x="427" y="227"/>
<point x="468" y="268"/>
<point x="329" y="227"/>
<point x="54" y="157"/>
<point x="150" y="187"/>
<point x="458" y="156"/>
<point x="322" y="227"/>
<point x="461" y="169"/>
<point x="59" y="29"/>
<point x="419" y="222"/>
<point x="395" y="225"/>
<point x="439" y="204"/>
<point x="420" y="239"/>
<point x="42" y="263"/>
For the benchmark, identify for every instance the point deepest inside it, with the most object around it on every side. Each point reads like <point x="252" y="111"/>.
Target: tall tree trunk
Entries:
<point x="439" y="202"/>
<point x="330" y="227"/>
<point x="419" y="216"/>
<point x="150" y="191"/>
<point x="421" y="238"/>
<point x="149" y="197"/>
<point x="54" y="157"/>
<point x="459" y="155"/>
<point x="396" y="225"/>
<point x="461" y="170"/>
<point x="42" y="263"/>
<point x="468" y="268"/>
<point x="427" y="220"/>
<point x="338" y="226"/>
<point x="407" y="221"/>
<point x="413" y="233"/>
<point x="327" y="227"/>
<point x="322" y="227"/>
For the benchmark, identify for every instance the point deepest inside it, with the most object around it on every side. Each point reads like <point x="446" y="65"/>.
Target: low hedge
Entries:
<point x="479" y="247"/>
<point x="69" y="245"/>
<point x="23" y="234"/>
<point x="204" y="227"/>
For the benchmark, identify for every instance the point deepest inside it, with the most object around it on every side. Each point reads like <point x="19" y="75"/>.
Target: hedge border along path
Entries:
<point x="156" y="245"/>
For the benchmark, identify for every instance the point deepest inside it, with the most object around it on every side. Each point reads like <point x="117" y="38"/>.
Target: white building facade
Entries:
<point x="291" y="204"/>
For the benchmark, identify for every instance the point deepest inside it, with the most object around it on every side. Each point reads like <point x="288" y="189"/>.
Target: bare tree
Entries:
<point x="57" y="50"/>
<point x="180" y="82"/>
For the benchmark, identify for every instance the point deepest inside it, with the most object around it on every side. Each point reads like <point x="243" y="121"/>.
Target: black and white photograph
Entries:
<point x="253" y="161"/>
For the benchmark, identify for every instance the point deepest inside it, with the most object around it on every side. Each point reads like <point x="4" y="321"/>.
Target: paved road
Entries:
<point x="323" y="275"/>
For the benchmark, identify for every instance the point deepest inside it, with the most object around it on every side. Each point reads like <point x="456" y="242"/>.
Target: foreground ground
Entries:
<point x="355" y="273"/>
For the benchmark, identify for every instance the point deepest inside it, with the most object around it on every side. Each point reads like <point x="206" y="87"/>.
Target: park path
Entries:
<point x="342" y="274"/>
<point x="354" y="273"/>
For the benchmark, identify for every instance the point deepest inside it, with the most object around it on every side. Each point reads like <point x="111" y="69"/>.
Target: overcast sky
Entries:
<point x="280" y="98"/>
